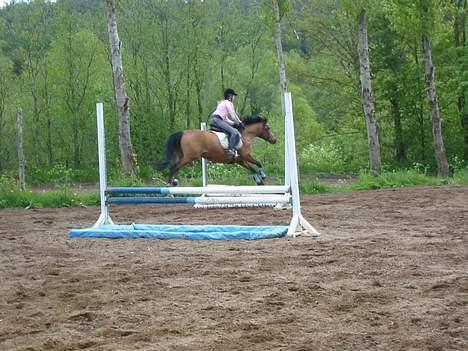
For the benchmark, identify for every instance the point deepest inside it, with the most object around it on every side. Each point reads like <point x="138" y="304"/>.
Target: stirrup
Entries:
<point x="230" y="152"/>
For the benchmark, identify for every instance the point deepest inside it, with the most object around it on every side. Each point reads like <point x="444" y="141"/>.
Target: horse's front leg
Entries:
<point x="260" y="172"/>
<point x="256" y="176"/>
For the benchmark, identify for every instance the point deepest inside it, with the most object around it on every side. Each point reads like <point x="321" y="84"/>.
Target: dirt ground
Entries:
<point x="390" y="272"/>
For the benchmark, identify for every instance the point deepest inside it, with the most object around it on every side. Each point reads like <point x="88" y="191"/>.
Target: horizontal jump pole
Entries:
<point x="204" y="200"/>
<point x="199" y="200"/>
<point x="199" y="190"/>
<point x="150" y="200"/>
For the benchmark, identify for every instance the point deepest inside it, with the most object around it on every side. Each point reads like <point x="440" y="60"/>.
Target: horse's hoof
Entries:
<point x="262" y="174"/>
<point x="173" y="182"/>
<point x="258" y="179"/>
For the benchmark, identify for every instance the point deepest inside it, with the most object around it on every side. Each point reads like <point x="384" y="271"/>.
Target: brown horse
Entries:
<point x="184" y="147"/>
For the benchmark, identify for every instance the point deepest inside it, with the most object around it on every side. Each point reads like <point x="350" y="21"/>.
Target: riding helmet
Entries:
<point x="228" y="92"/>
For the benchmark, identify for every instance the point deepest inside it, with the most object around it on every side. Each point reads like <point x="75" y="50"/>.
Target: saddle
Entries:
<point x="223" y="138"/>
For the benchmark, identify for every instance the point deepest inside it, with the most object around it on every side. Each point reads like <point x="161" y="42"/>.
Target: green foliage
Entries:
<point x="122" y="181"/>
<point x="10" y="196"/>
<point x="458" y="164"/>
<point x="314" y="186"/>
<point x="396" y="179"/>
<point x="332" y="157"/>
<point x="322" y="158"/>
<point x="179" y="55"/>
<point x="217" y="174"/>
<point x="61" y="176"/>
<point x="461" y="176"/>
<point x="231" y="175"/>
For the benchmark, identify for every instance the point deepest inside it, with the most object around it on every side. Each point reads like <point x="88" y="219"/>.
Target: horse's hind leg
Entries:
<point x="171" y="180"/>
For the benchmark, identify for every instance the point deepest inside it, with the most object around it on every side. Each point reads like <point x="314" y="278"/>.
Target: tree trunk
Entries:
<point x="255" y="39"/>
<point x="400" y="150"/>
<point x="279" y="53"/>
<point x="367" y="97"/>
<point x="429" y="70"/>
<point x="3" y="91"/>
<point x="50" y="155"/>
<point x="422" y="128"/>
<point x="198" y="90"/>
<point x="460" y="44"/>
<point x="77" y="141"/>
<point x="419" y="108"/>
<point x="37" y="125"/>
<point x="167" y="71"/>
<point x="21" y="160"/>
<point x="221" y="43"/>
<point x="121" y="97"/>
<point x="198" y="83"/>
<point x="1" y="136"/>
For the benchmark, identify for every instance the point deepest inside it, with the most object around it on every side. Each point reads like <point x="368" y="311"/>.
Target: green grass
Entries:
<point x="461" y="177"/>
<point x="393" y="179"/>
<point x="60" y="174"/>
<point x="405" y="178"/>
<point x="51" y="199"/>
<point x="314" y="186"/>
<point x="65" y="196"/>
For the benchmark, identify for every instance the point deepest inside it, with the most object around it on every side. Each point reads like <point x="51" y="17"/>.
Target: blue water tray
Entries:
<point x="189" y="232"/>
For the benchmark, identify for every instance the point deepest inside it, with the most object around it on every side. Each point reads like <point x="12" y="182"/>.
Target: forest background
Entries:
<point x="180" y="55"/>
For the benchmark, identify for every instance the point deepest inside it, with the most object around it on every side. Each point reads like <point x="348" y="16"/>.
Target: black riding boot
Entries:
<point x="233" y="141"/>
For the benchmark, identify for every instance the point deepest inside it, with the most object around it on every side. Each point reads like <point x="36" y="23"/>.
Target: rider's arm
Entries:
<point x="232" y="112"/>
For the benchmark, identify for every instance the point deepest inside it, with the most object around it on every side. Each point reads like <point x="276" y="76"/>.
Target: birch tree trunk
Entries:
<point x="279" y="53"/>
<point x="367" y="96"/>
<point x="121" y="97"/>
<point x="429" y="72"/>
<point x="19" y="145"/>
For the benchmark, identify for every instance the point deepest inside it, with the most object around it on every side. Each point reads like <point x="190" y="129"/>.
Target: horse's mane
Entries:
<point x="254" y="119"/>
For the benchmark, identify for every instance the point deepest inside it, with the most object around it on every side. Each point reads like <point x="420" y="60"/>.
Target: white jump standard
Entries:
<point x="230" y="196"/>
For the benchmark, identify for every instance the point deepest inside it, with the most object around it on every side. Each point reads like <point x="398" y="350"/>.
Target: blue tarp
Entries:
<point x="190" y="232"/>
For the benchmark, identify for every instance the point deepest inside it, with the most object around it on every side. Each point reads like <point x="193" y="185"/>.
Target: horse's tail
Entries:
<point x="172" y="149"/>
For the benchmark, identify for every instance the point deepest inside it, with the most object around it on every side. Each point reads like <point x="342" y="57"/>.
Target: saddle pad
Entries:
<point x="223" y="139"/>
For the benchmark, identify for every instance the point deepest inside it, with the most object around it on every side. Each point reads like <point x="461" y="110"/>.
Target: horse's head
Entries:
<point x="260" y="128"/>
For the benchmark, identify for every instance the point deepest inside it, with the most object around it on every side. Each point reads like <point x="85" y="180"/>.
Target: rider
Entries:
<point x="225" y="118"/>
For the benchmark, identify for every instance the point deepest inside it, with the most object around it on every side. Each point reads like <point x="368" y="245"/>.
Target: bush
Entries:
<point x="313" y="186"/>
<point x="461" y="176"/>
<point x="395" y="179"/>
<point x="61" y="175"/>
<point x="11" y="196"/>
<point x="322" y="158"/>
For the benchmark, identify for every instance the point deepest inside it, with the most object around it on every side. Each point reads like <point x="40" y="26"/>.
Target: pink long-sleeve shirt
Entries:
<point x="227" y="112"/>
